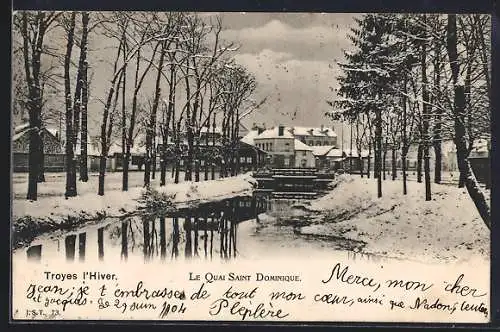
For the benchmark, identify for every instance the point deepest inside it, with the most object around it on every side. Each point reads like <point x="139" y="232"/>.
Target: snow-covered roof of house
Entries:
<point x="312" y="131"/>
<point x="274" y="133"/>
<point x="20" y="130"/>
<point x="334" y="153"/>
<point x="21" y="127"/>
<point x="249" y="137"/>
<point x="322" y="149"/>
<point x="53" y="131"/>
<point x="355" y="154"/>
<point x="217" y="130"/>
<point x="299" y="146"/>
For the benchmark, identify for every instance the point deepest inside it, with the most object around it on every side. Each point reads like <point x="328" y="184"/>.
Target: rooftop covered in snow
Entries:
<point x="299" y="146"/>
<point x="322" y="150"/>
<point x="312" y="131"/>
<point x="274" y="133"/>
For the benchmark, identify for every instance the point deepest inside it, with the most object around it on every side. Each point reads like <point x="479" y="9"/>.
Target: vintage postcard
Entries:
<point x="251" y="167"/>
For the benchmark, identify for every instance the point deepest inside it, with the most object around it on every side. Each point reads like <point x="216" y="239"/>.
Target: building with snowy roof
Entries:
<point x="303" y="156"/>
<point x="314" y="136"/>
<point x="50" y="137"/>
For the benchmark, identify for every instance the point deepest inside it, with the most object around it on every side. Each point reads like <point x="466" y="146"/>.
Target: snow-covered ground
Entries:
<point x="51" y="211"/>
<point x="54" y="184"/>
<point x="115" y="201"/>
<point x="447" y="228"/>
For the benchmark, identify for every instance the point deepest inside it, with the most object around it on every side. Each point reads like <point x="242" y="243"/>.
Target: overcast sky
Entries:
<point x="293" y="56"/>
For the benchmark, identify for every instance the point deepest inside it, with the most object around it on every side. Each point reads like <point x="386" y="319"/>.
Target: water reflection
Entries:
<point x="207" y="231"/>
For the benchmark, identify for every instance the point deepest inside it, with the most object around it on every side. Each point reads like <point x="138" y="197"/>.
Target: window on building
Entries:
<point x="318" y="143"/>
<point x="270" y="146"/>
<point x="242" y="160"/>
<point x="304" y="153"/>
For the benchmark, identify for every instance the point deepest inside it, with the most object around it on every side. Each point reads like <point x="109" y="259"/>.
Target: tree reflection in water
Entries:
<point x="215" y="224"/>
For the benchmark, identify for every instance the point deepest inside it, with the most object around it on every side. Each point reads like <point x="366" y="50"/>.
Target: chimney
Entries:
<point x="281" y="130"/>
<point x="322" y="128"/>
<point x="260" y="130"/>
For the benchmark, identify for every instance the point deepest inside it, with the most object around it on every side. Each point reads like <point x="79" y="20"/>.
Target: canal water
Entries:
<point x="240" y="227"/>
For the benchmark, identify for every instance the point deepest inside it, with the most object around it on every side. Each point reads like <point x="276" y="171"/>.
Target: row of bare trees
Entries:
<point x="173" y="81"/>
<point x="194" y="80"/>
<point x="418" y="80"/>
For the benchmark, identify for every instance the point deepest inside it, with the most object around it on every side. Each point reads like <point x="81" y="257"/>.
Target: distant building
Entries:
<point x="50" y="137"/>
<point x="52" y="148"/>
<point x="353" y="161"/>
<point x="303" y="157"/>
<point x="320" y="155"/>
<point x="279" y="144"/>
<point x="294" y="146"/>
<point x="314" y="136"/>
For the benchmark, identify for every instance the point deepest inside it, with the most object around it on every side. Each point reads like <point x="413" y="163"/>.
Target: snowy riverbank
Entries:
<point x="49" y="213"/>
<point x="447" y="228"/>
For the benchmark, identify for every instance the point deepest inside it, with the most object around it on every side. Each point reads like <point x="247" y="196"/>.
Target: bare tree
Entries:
<point x="83" y="69"/>
<point x="34" y="28"/>
<point x="460" y="131"/>
<point x="70" y="138"/>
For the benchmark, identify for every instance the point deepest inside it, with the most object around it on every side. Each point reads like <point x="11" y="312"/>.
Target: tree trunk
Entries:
<point x="393" y="159"/>
<point x="213" y="157"/>
<point x="438" y="113"/>
<point x="178" y="154"/>
<point x="368" y="168"/>
<point x="151" y="130"/>
<point x="403" y="160"/>
<point x="84" y="176"/>
<point x="384" y="157"/>
<point x="102" y="172"/>
<point x="32" y="71"/>
<point x="34" y="155"/>
<point x="153" y="161"/>
<point x="425" y="120"/>
<point x="460" y="133"/>
<point x="70" y="139"/>
<point x="106" y="127"/>
<point x="41" y="164"/>
<point x="404" y="144"/>
<point x="361" y="163"/>
<point x="205" y="155"/>
<point x="77" y="105"/>
<point x="419" y="162"/>
<point x="438" y="159"/>
<point x="378" y="151"/>
<point x="188" y="162"/>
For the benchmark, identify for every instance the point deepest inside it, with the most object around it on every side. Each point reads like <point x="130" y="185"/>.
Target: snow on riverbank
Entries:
<point x="447" y="228"/>
<point x="117" y="202"/>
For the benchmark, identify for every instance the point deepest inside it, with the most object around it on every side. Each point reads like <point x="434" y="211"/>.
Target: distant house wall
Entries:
<point x="280" y="150"/>
<point x="56" y="162"/>
<point x="448" y="159"/>
<point x="304" y="159"/>
<point x="283" y="146"/>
